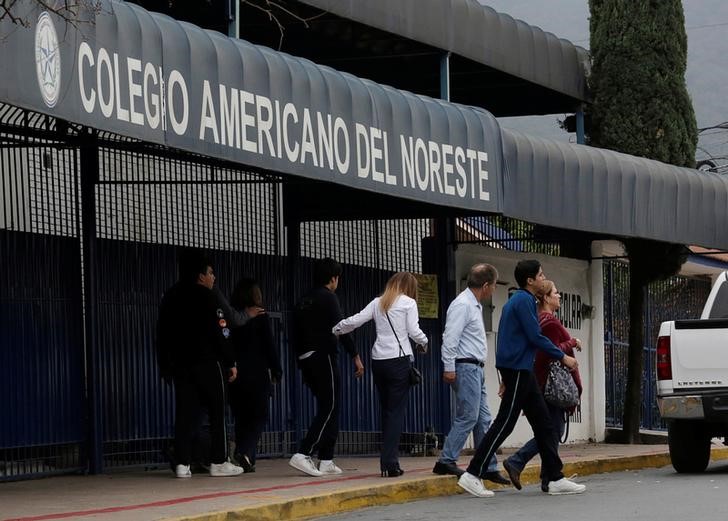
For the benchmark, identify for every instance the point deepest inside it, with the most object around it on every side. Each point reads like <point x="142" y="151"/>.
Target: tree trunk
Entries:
<point x="633" y="393"/>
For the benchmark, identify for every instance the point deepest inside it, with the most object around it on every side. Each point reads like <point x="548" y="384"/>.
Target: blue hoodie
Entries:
<point x="519" y="334"/>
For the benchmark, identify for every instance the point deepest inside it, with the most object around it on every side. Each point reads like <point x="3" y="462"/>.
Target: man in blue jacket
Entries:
<point x="519" y="335"/>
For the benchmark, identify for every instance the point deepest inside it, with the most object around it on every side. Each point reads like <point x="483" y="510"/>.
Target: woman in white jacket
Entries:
<point x="396" y="319"/>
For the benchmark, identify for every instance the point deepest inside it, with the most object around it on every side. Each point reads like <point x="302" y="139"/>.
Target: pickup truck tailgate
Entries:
<point x="699" y="352"/>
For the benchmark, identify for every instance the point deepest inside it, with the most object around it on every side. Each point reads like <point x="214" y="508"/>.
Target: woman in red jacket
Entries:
<point x="549" y="301"/>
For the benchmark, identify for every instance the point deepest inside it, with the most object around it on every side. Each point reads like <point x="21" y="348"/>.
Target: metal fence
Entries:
<point x="69" y="396"/>
<point x="672" y="299"/>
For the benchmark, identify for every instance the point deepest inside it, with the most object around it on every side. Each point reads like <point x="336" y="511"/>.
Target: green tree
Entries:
<point x="641" y="107"/>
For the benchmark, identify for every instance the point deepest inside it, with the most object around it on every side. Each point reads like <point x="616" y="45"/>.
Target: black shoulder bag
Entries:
<point x="415" y="377"/>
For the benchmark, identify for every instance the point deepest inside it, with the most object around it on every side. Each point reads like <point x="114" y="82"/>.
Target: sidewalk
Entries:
<point x="276" y="491"/>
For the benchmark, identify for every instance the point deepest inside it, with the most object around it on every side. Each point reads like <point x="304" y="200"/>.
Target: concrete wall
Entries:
<point x="579" y="282"/>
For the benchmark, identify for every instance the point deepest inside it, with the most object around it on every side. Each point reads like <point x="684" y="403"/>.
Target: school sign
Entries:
<point x="147" y="76"/>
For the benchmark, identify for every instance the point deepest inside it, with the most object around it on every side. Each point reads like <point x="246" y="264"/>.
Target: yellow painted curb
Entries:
<point x="403" y="491"/>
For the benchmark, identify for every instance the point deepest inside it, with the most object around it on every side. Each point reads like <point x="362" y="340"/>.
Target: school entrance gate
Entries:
<point x="149" y="201"/>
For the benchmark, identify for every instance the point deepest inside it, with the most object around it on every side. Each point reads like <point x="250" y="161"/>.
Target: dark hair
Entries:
<point x="324" y="269"/>
<point x="246" y="293"/>
<point x="526" y="269"/>
<point x="481" y="274"/>
<point x="192" y="263"/>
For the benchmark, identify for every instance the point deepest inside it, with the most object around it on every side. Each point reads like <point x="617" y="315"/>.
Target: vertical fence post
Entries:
<point x="293" y="245"/>
<point x="598" y="345"/>
<point x="649" y="375"/>
<point x="611" y="403"/>
<point x="89" y="153"/>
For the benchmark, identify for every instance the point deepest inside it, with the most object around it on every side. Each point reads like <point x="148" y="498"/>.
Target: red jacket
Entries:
<point x="557" y="333"/>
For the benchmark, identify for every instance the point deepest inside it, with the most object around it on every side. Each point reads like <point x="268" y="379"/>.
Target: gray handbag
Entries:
<point x="560" y="389"/>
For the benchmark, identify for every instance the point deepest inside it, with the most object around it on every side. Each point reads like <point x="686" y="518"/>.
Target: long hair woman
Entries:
<point x="258" y="367"/>
<point x="549" y="302"/>
<point x="396" y="319"/>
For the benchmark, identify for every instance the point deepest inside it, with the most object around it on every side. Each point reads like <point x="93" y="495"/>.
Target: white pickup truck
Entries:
<point x="692" y="381"/>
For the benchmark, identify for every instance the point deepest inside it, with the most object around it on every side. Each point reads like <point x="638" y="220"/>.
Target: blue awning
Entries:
<point x="149" y="77"/>
<point x="578" y="187"/>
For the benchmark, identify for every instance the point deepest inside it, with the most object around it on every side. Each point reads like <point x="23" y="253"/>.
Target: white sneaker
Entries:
<point x="329" y="467"/>
<point x="474" y="485"/>
<point x="304" y="464"/>
<point x="565" y="486"/>
<point x="183" y="471"/>
<point x="225" y="469"/>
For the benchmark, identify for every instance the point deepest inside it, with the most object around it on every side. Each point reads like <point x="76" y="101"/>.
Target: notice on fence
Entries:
<point x="428" y="302"/>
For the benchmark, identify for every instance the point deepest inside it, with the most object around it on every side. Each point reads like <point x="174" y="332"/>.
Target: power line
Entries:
<point x="719" y="126"/>
<point x="719" y="24"/>
<point x="687" y="28"/>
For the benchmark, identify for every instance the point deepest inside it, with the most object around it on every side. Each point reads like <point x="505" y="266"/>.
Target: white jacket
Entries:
<point x="405" y="320"/>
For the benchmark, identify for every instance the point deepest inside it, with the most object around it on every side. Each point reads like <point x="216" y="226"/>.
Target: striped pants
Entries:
<point x="320" y="373"/>
<point x="521" y="394"/>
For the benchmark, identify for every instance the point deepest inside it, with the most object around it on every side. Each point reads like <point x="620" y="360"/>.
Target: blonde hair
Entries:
<point x="402" y="282"/>
<point x="547" y="286"/>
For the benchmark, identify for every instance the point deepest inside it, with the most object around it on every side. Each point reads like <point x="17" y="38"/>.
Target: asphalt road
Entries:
<point x="647" y="495"/>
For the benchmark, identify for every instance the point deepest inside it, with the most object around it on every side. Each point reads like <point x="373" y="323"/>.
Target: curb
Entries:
<point x="349" y="499"/>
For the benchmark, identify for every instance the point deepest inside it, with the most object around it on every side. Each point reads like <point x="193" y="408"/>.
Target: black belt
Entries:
<point x="469" y="361"/>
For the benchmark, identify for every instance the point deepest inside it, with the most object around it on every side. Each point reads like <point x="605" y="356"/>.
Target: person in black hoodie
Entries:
<point x="259" y="367"/>
<point x="316" y="349"/>
<point x="194" y="351"/>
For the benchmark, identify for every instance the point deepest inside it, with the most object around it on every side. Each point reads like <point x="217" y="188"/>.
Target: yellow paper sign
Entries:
<point x="428" y="301"/>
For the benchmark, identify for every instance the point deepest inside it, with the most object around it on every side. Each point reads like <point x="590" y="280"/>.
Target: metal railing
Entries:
<point x="149" y="202"/>
<point x="672" y="299"/>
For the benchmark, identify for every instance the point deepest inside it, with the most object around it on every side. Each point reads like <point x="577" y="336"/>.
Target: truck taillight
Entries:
<point x="664" y="364"/>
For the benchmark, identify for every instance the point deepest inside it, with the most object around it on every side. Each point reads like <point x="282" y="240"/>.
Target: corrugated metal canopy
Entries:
<point x="440" y="159"/>
<point x="476" y="32"/>
<point x="584" y="188"/>
<point x="229" y="99"/>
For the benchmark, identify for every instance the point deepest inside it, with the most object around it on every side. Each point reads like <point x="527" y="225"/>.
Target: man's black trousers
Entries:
<point x="197" y="388"/>
<point x="521" y="394"/>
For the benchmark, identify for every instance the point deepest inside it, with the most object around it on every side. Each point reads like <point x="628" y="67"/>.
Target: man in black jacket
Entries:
<point x="195" y="352"/>
<point x="316" y="351"/>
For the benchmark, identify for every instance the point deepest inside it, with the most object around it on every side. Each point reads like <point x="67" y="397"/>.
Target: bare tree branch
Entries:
<point x="268" y="6"/>
<point x="68" y="10"/>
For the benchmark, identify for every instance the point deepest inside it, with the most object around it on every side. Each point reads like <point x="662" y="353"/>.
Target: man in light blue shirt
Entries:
<point x="464" y="351"/>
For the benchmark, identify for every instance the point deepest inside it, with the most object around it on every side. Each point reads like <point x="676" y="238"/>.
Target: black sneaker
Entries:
<point x="392" y="473"/>
<point x="447" y="469"/>
<point x="244" y="461"/>
<point x="497" y="477"/>
<point x="513" y="473"/>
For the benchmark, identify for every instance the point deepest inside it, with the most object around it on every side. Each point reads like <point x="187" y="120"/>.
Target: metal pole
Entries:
<point x="445" y="76"/>
<point x="445" y="246"/>
<point x="295" y="382"/>
<point x="89" y="153"/>
<point x="580" y="139"/>
<point x="234" y="18"/>
<point x="445" y="227"/>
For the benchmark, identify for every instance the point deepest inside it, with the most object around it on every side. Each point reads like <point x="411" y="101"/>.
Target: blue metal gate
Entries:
<point x="81" y="390"/>
<point x="672" y="299"/>
<point x="42" y="381"/>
